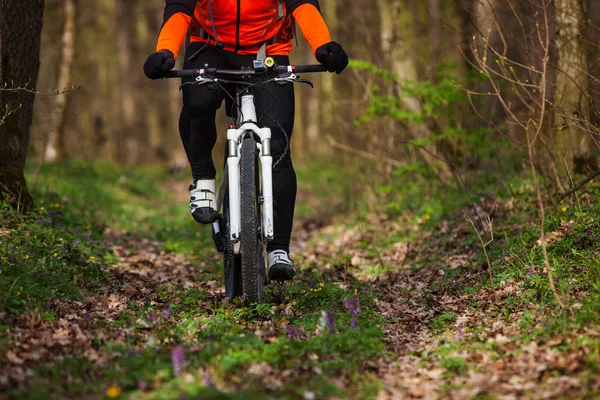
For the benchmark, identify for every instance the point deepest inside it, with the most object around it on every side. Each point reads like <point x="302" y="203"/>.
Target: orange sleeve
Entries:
<point x="173" y="33"/>
<point x="312" y="25"/>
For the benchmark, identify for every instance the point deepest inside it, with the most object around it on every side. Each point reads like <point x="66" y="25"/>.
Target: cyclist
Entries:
<point x="231" y="34"/>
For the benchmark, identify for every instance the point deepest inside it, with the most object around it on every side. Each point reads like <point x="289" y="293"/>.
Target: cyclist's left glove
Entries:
<point x="159" y="64"/>
<point x="333" y="56"/>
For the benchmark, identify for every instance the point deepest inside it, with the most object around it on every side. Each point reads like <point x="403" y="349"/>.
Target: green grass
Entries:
<point x="225" y="342"/>
<point x="439" y="323"/>
<point x="41" y="257"/>
<point x="42" y="253"/>
<point x="103" y="195"/>
<point x="59" y="252"/>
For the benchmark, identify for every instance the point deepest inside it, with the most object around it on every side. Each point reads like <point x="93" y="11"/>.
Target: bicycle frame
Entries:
<point x="247" y="124"/>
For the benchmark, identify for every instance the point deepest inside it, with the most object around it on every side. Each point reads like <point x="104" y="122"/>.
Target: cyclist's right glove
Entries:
<point x="333" y="56"/>
<point x="159" y="64"/>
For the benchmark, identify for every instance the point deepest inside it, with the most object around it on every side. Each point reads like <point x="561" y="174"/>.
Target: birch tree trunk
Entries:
<point x="575" y="147"/>
<point x="55" y="144"/>
<point x="20" y="33"/>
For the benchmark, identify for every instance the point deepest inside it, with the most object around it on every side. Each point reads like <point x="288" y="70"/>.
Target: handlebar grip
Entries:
<point x="310" y="68"/>
<point x="185" y="73"/>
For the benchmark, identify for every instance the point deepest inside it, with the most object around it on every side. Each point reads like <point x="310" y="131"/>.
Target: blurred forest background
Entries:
<point x="457" y="120"/>
<point x="436" y="87"/>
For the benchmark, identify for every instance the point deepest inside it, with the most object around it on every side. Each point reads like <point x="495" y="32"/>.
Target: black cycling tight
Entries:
<point x="275" y="109"/>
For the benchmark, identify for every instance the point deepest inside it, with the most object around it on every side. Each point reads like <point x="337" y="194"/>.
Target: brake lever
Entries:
<point x="294" y="79"/>
<point x="309" y="83"/>
<point x="201" y="79"/>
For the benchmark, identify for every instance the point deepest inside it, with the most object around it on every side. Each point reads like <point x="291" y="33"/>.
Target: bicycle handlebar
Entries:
<point x="192" y="73"/>
<point x="309" y="68"/>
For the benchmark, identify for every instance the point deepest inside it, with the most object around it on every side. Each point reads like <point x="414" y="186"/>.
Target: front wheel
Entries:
<point x="251" y="248"/>
<point x="232" y="262"/>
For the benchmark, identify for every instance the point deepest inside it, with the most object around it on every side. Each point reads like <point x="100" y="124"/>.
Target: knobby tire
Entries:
<point x="232" y="263"/>
<point x="250" y="246"/>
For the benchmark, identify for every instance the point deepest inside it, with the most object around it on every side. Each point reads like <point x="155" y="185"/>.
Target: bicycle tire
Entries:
<point x="250" y="242"/>
<point x="232" y="273"/>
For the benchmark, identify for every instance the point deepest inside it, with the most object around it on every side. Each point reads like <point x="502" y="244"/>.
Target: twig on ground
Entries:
<point x="579" y="186"/>
<point x="489" y="221"/>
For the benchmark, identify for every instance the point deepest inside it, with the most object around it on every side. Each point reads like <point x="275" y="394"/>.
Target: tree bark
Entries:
<point x="127" y="146"/>
<point x="55" y="144"/>
<point x="404" y="67"/>
<point x="20" y="33"/>
<point x="575" y="146"/>
<point x="434" y="12"/>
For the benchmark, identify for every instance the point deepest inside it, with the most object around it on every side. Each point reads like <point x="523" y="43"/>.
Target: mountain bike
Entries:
<point x="245" y="194"/>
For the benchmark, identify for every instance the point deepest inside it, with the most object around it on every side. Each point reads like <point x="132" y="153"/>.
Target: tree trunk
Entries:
<point x="20" y="33"/>
<point x="575" y="146"/>
<point x="55" y="145"/>
<point x="404" y="67"/>
<point x="127" y="146"/>
<point x="434" y="12"/>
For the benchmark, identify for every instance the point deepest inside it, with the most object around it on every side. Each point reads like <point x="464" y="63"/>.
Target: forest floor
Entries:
<point x="112" y="292"/>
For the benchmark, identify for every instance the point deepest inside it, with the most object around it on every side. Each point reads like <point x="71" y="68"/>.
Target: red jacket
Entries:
<point x="242" y="26"/>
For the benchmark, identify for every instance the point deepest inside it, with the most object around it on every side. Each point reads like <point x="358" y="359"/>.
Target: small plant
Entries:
<point x="353" y="307"/>
<point x="440" y="322"/>
<point x="455" y="365"/>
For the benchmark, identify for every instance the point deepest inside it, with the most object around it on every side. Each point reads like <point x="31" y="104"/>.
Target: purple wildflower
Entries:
<point x="86" y="316"/>
<point x="167" y="313"/>
<point x="353" y="307"/>
<point x="132" y="352"/>
<point x="588" y="232"/>
<point x="12" y="200"/>
<point x="178" y="358"/>
<point x="207" y="380"/>
<point x="292" y="332"/>
<point x="152" y="318"/>
<point x="458" y="335"/>
<point x="330" y="322"/>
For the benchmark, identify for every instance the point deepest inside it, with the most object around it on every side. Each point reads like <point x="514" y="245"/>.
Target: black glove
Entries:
<point x="333" y="56"/>
<point x="158" y="64"/>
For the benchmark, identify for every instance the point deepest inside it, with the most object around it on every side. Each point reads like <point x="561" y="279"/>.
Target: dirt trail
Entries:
<point x="412" y="301"/>
<point x="444" y="337"/>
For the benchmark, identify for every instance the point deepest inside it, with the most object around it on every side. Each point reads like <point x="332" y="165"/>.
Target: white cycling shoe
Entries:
<point x="281" y="268"/>
<point x="203" y="200"/>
